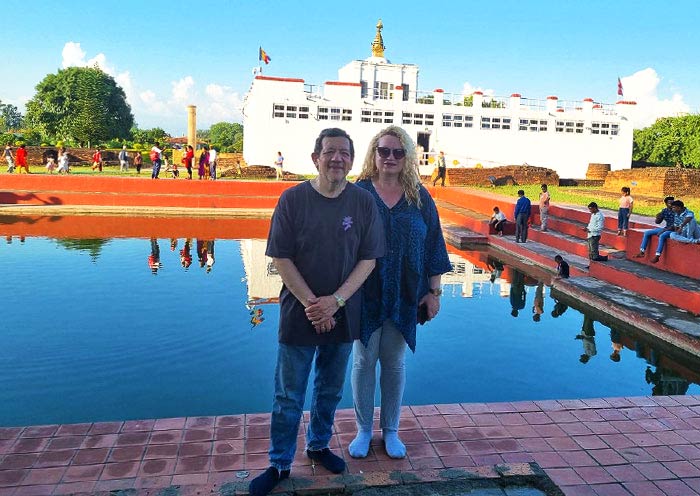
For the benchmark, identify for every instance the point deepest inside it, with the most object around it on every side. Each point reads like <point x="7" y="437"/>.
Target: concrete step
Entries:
<point x="576" y="229"/>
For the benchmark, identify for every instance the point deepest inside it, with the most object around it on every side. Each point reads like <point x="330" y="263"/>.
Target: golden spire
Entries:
<point x="378" y="43"/>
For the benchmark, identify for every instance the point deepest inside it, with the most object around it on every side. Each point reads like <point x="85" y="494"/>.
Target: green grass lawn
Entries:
<point x="583" y="196"/>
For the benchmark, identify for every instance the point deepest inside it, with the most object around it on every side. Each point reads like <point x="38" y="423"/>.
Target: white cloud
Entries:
<point x="642" y="87"/>
<point x="182" y="89"/>
<point x="215" y="103"/>
<point x="222" y="104"/>
<point x="468" y="89"/>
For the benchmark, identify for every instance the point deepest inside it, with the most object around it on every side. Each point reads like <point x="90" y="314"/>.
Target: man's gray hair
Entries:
<point x="333" y="132"/>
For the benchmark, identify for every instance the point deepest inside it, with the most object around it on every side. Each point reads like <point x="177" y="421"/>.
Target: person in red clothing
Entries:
<point x="188" y="160"/>
<point x="97" y="160"/>
<point x="21" y="159"/>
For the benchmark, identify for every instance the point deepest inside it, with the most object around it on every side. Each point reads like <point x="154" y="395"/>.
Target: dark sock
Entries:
<point x="327" y="459"/>
<point x="266" y="482"/>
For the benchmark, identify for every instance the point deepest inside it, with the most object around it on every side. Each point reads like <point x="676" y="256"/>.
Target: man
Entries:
<point x="123" y="160"/>
<point x="522" y="216"/>
<point x="324" y="239"/>
<point x="9" y="158"/>
<point x="544" y="207"/>
<point x="97" y="159"/>
<point x="212" y="163"/>
<point x="686" y="227"/>
<point x="594" y="230"/>
<point x="22" y="159"/>
<point x="442" y="169"/>
<point x="279" y="166"/>
<point x="155" y="156"/>
<point x="664" y="233"/>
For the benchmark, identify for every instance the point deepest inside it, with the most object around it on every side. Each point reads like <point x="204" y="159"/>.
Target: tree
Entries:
<point x="670" y="141"/>
<point x="80" y="104"/>
<point x="10" y="117"/>
<point x="227" y="135"/>
<point x="148" y="136"/>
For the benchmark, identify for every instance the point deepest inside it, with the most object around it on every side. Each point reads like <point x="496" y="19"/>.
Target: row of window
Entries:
<point x="448" y="120"/>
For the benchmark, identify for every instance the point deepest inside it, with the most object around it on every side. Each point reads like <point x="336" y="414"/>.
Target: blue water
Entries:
<point x="90" y="333"/>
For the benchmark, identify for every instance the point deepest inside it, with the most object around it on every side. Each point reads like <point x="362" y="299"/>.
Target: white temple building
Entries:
<point x="287" y="114"/>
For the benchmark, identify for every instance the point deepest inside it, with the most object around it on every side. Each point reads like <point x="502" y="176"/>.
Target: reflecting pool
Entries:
<point x="126" y="328"/>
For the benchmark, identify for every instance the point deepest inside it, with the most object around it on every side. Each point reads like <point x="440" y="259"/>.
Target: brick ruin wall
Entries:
<point x="510" y="174"/>
<point x="659" y="181"/>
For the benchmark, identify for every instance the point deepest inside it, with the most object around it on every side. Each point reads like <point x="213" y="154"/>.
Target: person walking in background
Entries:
<point x="63" y="161"/>
<point x="155" y="156"/>
<point x="9" y="158"/>
<point x="213" y="161"/>
<point x="404" y="284"/>
<point x="442" y="169"/>
<point x="498" y="220"/>
<point x="21" y="158"/>
<point x="279" y="166"/>
<point x="523" y="207"/>
<point x="544" y="207"/>
<point x="325" y="236"/>
<point x="188" y="160"/>
<point x="623" y="214"/>
<point x="594" y="230"/>
<point x="123" y="160"/>
<point x="203" y="163"/>
<point x="666" y="215"/>
<point x="97" y="160"/>
<point x="138" y="161"/>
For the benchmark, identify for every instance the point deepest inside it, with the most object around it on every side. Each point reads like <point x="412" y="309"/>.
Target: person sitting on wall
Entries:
<point x="687" y="229"/>
<point x="666" y="215"/>
<point x="562" y="267"/>
<point x="498" y="220"/>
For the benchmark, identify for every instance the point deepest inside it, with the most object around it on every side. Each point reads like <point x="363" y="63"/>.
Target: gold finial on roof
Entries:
<point x="378" y="43"/>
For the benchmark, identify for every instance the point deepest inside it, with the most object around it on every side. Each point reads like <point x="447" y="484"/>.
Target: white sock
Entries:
<point x="359" y="447"/>
<point x="393" y="445"/>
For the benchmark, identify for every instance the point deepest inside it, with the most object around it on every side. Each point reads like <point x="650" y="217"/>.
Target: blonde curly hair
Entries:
<point x="408" y="177"/>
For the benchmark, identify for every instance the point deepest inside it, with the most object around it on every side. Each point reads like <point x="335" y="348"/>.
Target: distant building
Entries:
<point x="287" y="114"/>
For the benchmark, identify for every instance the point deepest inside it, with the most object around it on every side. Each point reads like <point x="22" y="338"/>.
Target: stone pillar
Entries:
<point x="192" y="126"/>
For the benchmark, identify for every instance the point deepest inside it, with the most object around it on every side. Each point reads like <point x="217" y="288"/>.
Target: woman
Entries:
<point x="203" y="164"/>
<point x="188" y="160"/>
<point x="63" y="161"/>
<point x="138" y="161"/>
<point x="404" y="283"/>
<point x="623" y="214"/>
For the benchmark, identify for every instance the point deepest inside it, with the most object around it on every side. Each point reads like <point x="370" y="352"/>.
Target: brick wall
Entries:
<point x="510" y="174"/>
<point x="661" y="181"/>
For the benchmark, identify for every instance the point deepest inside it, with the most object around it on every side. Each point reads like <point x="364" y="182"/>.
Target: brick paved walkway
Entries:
<point x="615" y="446"/>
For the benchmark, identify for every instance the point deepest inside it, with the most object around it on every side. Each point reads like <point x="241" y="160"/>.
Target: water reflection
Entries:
<point x="242" y="288"/>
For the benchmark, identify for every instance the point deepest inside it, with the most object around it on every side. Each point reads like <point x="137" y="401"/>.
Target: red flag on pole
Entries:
<point x="619" y="87"/>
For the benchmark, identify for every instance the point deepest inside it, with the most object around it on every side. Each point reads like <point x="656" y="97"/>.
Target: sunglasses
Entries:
<point x="384" y="152"/>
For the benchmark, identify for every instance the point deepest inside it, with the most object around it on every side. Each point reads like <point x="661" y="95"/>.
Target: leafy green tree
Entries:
<point x="10" y="117"/>
<point x="148" y="136"/>
<point x="227" y="135"/>
<point x="671" y="141"/>
<point x="82" y="105"/>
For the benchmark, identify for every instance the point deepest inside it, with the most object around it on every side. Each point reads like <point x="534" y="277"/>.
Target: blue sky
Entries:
<point x="168" y="54"/>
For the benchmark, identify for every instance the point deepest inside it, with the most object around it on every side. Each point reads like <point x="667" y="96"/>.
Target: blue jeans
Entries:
<point x="388" y="346"/>
<point x="291" y="378"/>
<point x="156" y="169"/>
<point x="663" y="236"/>
<point x="623" y="219"/>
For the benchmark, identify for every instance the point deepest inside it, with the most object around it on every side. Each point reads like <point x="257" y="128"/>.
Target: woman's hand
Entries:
<point x="432" y="304"/>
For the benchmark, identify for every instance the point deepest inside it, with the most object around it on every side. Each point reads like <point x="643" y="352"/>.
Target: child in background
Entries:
<point x="623" y="214"/>
<point x="562" y="267"/>
<point x="50" y="164"/>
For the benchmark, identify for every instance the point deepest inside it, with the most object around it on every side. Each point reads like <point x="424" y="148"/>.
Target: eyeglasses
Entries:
<point x="384" y="152"/>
